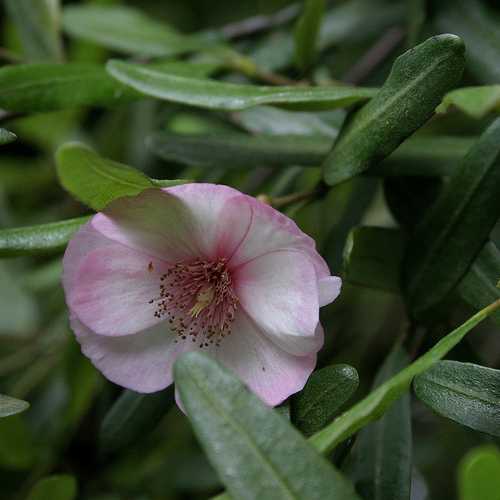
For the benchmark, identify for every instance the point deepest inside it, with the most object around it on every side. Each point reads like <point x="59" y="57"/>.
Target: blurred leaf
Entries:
<point x="10" y="406"/>
<point x="466" y="393"/>
<point x="324" y="394"/>
<point x="373" y="256"/>
<point x="127" y="30"/>
<point x="6" y="136"/>
<point x="131" y="416"/>
<point x="377" y="402"/>
<point x="213" y="94"/>
<point x="307" y="32"/>
<point x="418" y="80"/>
<point x="57" y="487"/>
<point x="38" y="240"/>
<point x="383" y="449"/>
<point x="456" y="227"/>
<point x="96" y="181"/>
<point x="475" y="101"/>
<point x="256" y="452"/>
<point x="416" y="14"/>
<point x="37" y="22"/>
<point x="479" y="474"/>
<point x="17" y="448"/>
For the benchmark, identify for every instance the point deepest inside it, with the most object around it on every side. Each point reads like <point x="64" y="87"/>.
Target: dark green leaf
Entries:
<point x="38" y="240"/>
<point x="57" y="487"/>
<point x="475" y="101"/>
<point x="96" y="181"/>
<point x="131" y="416"/>
<point x="214" y="94"/>
<point x="324" y="394"/>
<point x="37" y="22"/>
<point x="10" y="406"/>
<point x="466" y="393"/>
<point x="456" y="227"/>
<point x="383" y="449"/>
<point x="307" y="32"/>
<point x="17" y="446"/>
<point x="377" y="402"/>
<point x="6" y="136"/>
<point x="418" y="81"/>
<point x="257" y="454"/>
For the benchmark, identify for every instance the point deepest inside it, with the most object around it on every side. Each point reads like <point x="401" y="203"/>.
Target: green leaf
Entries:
<point x="131" y="415"/>
<point x="456" y="227"/>
<point x="126" y="30"/>
<point x="256" y="452"/>
<point x="466" y="393"/>
<point x="324" y="394"/>
<point x="383" y="457"/>
<point x="17" y="446"/>
<point x="213" y="94"/>
<point x="479" y="474"/>
<point x="57" y="487"/>
<point x="307" y="32"/>
<point x="377" y="402"/>
<point x="479" y="286"/>
<point x="6" y="136"/>
<point x="96" y="181"/>
<point x="10" y="406"/>
<point x="418" y="80"/>
<point x="477" y="102"/>
<point x="38" y="240"/>
<point x="372" y="258"/>
<point x="37" y="22"/>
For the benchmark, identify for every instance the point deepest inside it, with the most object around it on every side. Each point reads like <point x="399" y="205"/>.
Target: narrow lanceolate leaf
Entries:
<point x="479" y="474"/>
<point x="131" y="416"/>
<point x="212" y="94"/>
<point x="466" y="393"/>
<point x="57" y="487"/>
<point x="456" y="227"/>
<point x="96" y="181"/>
<point x="323" y="396"/>
<point x="307" y="31"/>
<point x="6" y="136"/>
<point x="477" y="102"/>
<point x="256" y="452"/>
<point x="11" y="406"/>
<point x="417" y="83"/>
<point x="383" y="457"/>
<point x="38" y="240"/>
<point x="126" y="30"/>
<point x="377" y="402"/>
<point x="37" y="23"/>
<point x="479" y="286"/>
<point x="372" y="258"/>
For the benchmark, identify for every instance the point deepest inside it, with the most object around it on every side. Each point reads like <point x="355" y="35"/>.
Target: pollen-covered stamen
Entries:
<point x="198" y="300"/>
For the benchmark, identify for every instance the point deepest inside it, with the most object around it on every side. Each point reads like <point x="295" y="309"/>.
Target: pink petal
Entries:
<point x="329" y="289"/>
<point x="141" y="362"/>
<point x="279" y="291"/>
<point x="112" y="290"/>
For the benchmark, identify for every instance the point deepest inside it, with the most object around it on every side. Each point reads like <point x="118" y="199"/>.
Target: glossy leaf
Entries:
<point x="324" y="394"/>
<point x="479" y="474"/>
<point x="477" y="102"/>
<point x="6" y="136"/>
<point x="377" y="402"/>
<point x="466" y="393"/>
<point x="57" y="487"/>
<point x="214" y="94"/>
<point x="10" y="406"/>
<point x="307" y="32"/>
<point x="96" y="181"/>
<point x="126" y="30"/>
<point x="418" y="81"/>
<point x="38" y="240"/>
<point x="456" y="227"/>
<point x="257" y="454"/>
<point x="131" y="416"/>
<point x="37" y="22"/>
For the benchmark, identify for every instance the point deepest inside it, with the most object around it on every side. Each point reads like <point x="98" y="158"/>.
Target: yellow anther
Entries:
<point x="203" y="299"/>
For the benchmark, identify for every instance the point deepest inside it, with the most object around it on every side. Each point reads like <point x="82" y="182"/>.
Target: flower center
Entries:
<point x="198" y="300"/>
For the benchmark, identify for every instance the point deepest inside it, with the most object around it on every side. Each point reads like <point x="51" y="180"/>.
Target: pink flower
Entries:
<point x="197" y="266"/>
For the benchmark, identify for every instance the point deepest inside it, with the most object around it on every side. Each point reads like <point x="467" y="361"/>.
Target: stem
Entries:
<point x="283" y="201"/>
